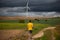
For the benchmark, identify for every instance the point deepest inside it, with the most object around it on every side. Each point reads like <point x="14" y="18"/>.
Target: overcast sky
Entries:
<point x="36" y="7"/>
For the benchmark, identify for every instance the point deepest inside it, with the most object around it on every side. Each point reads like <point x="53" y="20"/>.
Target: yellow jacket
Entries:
<point x="30" y="26"/>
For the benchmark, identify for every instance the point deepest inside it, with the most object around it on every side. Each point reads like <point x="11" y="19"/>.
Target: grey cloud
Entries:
<point x="13" y="9"/>
<point x="12" y="3"/>
<point x="42" y="14"/>
<point x="41" y="1"/>
<point x="19" y="11"/>
<point x="34" y="5"/>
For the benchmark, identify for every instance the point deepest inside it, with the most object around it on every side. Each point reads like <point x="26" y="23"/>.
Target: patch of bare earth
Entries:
<point x="6" y="34"/>
<point x="20" y="34"/>
<point x="41" y="33"/>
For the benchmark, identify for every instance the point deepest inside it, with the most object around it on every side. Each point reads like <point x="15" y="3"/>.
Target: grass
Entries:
<point x="57" y="32"/>
<point x="50" y="21"/>
<point x="37" y="27"/>
<point x="12" y="25"/>
<point x="47" y="36"/>
<point x="42" y="38"/>
<point x="9" y="21"/>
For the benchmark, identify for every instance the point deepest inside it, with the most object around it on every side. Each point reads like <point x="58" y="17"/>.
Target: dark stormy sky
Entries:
<point x="36" y="7"/>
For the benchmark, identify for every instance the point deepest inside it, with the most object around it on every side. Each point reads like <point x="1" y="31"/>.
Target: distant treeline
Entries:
<point x="51" y="21"/>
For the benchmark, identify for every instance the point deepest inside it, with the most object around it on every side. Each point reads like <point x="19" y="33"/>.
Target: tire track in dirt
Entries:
<point x="41" y="33"/>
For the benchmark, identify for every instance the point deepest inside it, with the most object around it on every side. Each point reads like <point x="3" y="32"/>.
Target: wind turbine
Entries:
<point x="27" y="7"/>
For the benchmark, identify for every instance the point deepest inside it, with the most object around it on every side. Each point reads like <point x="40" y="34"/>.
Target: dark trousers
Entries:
<point x="30" y="31"/>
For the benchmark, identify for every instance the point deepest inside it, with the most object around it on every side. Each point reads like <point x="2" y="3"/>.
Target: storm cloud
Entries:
<point x="36" y="8"/>
<point x="34" y="5"/>
<point x="20" y="11"/>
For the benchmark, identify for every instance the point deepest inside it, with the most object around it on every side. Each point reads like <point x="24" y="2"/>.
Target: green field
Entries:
<point x="50" y="21"/>
<point x="7" y="26"/>
<point x="38" y="25"/>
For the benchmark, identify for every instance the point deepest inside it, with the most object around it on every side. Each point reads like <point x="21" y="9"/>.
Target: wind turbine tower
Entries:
<point x="27" y="7"/>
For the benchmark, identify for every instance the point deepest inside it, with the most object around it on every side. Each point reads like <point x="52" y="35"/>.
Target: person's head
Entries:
<point x="29" y="20"/>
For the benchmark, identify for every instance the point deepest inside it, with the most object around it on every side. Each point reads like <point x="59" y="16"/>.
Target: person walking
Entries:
<point x="30" y="28"/>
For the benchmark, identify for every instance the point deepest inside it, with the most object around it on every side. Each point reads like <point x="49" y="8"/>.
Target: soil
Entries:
<point x="20" y="34"/>
<point x="41" y="33"/>
<point x="5" y="34"/>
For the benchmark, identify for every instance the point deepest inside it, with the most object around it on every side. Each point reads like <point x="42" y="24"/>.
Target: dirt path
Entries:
<point x="14" y="35"/>
<point x="41" y="33"/>
<point x="5" y="34"/>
